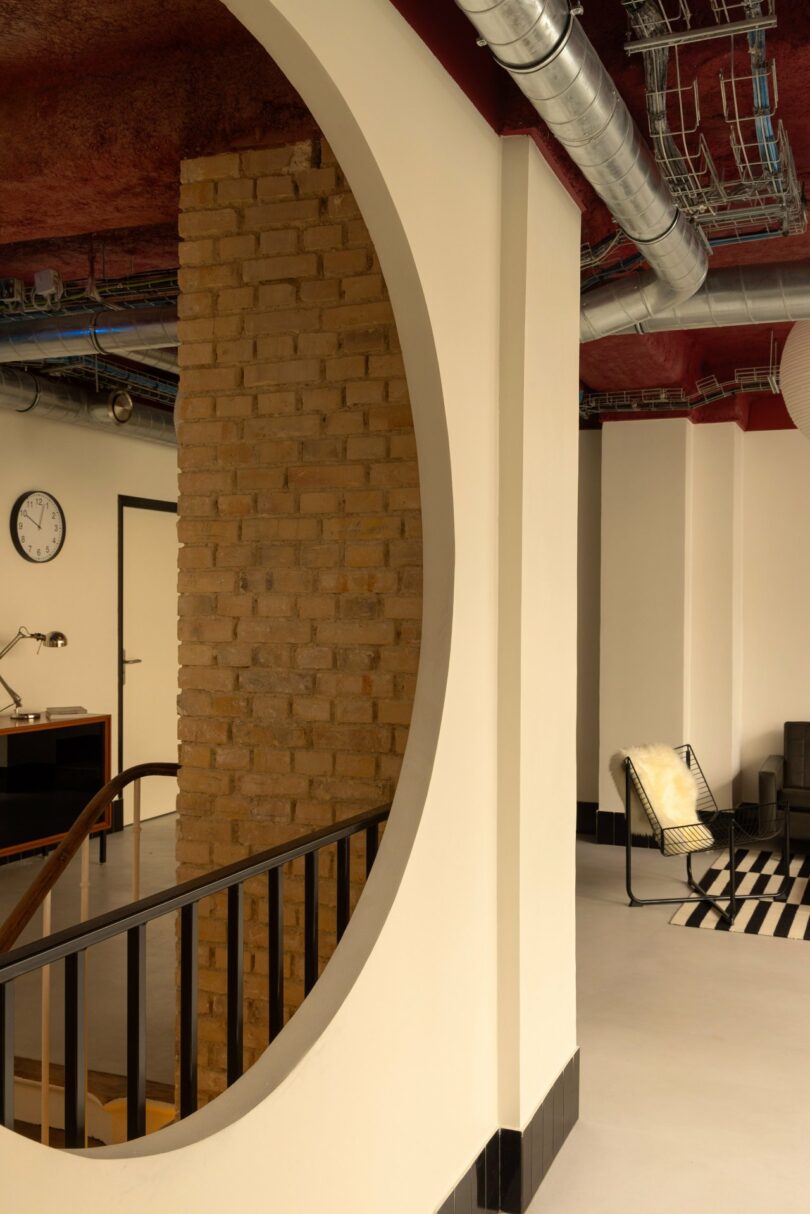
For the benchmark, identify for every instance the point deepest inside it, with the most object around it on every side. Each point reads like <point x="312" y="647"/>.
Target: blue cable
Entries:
<point x="766" y="136"/>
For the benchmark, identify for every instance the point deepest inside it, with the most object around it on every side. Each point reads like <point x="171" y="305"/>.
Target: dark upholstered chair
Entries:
<point x="785" y="779"/>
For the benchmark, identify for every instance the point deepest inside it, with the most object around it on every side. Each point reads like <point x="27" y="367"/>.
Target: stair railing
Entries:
<point x="71" y="944"/>
<point x="79" y="834"/>
<point x="39" y="894"/>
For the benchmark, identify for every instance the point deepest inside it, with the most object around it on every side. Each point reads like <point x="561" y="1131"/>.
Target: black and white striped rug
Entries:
<point x="756" y="874"/>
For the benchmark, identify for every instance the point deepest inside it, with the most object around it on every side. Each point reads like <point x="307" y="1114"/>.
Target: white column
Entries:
<point x="716" y="624"/>
<point x="589" y="565"/>
<point x="645" y="666"/>
<point x="671" y="642"/>
<point x="537" y="635"/>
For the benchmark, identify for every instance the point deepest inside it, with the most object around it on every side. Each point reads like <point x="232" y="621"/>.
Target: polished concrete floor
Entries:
<point x="110" y="886"/>
<point x="695" y="1044"/>
<point x="695" y="1060"/>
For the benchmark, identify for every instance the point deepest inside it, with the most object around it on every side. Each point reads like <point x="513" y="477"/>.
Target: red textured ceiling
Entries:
<point x="99" y="105"/>
<point x="101" y="101"/>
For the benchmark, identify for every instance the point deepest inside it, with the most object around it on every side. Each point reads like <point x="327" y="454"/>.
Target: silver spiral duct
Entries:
<point x="87" y="333"/>
<point x="160" y="360"/>
<point x="741" y="295"/>
<point x="22" y="392"/>
<point x="546" y="52"/>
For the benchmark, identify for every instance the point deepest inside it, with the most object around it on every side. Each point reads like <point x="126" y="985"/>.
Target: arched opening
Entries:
<point x="301" y="568"/>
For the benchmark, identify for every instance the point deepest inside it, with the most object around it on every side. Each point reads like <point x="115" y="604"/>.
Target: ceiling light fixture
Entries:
<point x="794" y="375"/>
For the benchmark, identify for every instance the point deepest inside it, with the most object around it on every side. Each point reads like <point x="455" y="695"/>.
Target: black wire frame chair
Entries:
<point x="715" y="829"/>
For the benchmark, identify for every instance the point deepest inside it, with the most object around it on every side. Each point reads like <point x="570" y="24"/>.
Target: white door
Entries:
<point x="149" y="633"/>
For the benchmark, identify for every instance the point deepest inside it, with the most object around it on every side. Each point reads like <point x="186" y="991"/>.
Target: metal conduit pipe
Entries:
<point x="88" y="333"/>
<point x="162" y="360"/>
<point x="546" y="52"/>
<point x="22" y="392"/>
<point x="741" y="295"/>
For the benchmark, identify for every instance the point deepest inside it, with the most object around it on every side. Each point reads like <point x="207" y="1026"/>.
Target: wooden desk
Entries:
<point x="49" y="770"/>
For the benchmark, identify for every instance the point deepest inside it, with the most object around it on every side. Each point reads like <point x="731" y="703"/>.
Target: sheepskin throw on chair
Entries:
<point x="670" y="788"/>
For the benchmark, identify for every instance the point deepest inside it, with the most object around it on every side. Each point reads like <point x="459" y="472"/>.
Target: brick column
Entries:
<point x="300" y="572"/>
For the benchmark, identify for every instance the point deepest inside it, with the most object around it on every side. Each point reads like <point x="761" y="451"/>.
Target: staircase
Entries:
<point x="77" y="1107"/>
<point x="106" y="1104"/>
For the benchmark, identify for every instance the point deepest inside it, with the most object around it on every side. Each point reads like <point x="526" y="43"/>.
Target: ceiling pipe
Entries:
<point x="741" y="295"/>
<point x="546" y="52"/>
<point x="160" y="360"/>
<point x="22" y="392"/>
<point x="80" y="333"/>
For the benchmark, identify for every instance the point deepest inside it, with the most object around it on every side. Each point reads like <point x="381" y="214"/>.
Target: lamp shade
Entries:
<point x="55" y="640"/>
<point x="794" y="375"/>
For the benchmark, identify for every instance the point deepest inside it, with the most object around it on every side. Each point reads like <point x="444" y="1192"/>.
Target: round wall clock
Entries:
<point x="37" y="526"/>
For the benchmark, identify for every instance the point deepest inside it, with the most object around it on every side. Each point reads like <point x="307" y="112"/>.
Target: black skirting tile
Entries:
<point x="492" y="1168"/>
<point x="511" y="1142"/>
<point x="605" y="823"/>
<point x="586" y="817"/>
<point x="548" y="1133"/>
<point x="507" y="1174"/>
<point x="558" y="1099"/>
<point x="536" y="1140"/>
<point x="464" y="1193"/>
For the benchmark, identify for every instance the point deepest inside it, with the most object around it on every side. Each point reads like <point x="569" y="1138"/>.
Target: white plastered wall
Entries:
<point x="671" y="634"/>
<point x="715" y="657"/>
<point x="77" y="592"/>
<point x="644" y="639"/>
<point x="737" y="603"/>
<point x="589" y="567"/>
<point x="537" y="648"/>
<point x="776" y="594"/>
<point x="383" y="1089"/>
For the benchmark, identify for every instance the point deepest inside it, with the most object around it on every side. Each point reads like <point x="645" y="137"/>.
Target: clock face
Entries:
<point x="37" y="526"/>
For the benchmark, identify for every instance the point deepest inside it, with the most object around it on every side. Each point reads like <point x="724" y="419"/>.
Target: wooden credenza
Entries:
<point x="49" y="770"/>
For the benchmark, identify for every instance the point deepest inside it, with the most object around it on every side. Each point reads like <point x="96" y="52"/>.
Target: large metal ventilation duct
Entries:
<point x="22" y="392"/>
<point x="160" y="360"/>
<point x="88" y="333"/>
<point x="741" y="295"/>
<point x="547" y="54"/>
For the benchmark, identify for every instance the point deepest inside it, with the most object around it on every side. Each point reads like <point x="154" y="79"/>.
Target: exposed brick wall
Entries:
<point x="300" y="572"/>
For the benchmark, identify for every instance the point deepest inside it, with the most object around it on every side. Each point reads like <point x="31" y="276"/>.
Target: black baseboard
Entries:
<point x="509" y="1170"/>
<point x="586" y="817"/>
<point x="612" y="828"/>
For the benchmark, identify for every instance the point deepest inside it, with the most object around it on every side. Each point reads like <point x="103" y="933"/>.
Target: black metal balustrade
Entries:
<point x="71" y="944"/>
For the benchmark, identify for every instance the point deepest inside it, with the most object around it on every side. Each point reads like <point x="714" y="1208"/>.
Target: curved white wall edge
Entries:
<point x="396" y="1047"/>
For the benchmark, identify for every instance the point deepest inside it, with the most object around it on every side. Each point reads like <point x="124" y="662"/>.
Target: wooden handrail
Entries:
<point x="57" y="862"/>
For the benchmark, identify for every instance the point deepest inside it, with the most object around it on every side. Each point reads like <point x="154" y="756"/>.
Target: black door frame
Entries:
<point x="124" y="503"/>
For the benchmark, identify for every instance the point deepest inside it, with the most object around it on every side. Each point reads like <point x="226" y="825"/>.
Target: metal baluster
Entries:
<point x="236" y="971"/>
<point x="136" y="1031"/>
<point x="84" y="882"/>
<point x="372" y="843"/>
<point x="45" y="1033"/>
<point x="310" y="921"/>
<point x="275" y="890"/>
<point x="343" y="886"/>
<point x="75" y="1062"/>
<point x="136" y="840"/>
<point x="7" y="1055"/>
<point x="84" y="915"/>
<point x="189" y="942"/>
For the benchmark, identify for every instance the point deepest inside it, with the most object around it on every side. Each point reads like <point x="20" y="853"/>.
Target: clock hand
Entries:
<point x="31" y="520"/>
<point x="41" y="516"/>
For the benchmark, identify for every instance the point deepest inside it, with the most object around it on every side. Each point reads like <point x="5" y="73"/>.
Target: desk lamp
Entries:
<point x="51" y="640"/>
